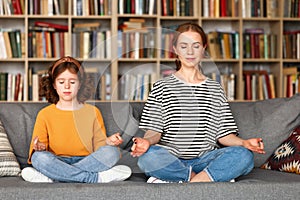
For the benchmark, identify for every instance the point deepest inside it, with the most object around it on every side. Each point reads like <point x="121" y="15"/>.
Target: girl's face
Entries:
<point x="189" y="49"/>
<point x="67" y="86"/>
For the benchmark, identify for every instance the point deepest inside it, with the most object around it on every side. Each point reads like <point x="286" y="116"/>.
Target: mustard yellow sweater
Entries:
<point x="69" y="133"/>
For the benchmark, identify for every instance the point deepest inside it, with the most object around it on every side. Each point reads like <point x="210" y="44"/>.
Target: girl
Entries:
<point x="69" y="142"/>
<point x="187" y="118"/>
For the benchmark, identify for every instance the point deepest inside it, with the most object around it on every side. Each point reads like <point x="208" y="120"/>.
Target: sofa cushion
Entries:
<point x="271" y="119"/>
<point x="9" y="165"/>
<point x="18" y="119"/>
<point x="120" y="117"/>
<point x="286" y="157"/>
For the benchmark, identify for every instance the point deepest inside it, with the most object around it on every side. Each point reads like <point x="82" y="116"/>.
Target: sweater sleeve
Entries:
<point x="40" y="131"/>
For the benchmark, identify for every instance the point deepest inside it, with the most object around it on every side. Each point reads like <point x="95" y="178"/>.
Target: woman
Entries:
<point x="69" y="142"/>
<point x="187" y="119"/>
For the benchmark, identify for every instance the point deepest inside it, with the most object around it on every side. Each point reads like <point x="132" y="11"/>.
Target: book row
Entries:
<point x="92" y="7"/>
<point x="291" y="80"/>
<point x="12" y="7"/>
<point x="92" y="44"/>
<point x="223" y="44"/>
<point x="249" y="8"/>
<point x="258" y="85"/>
<point x="135" y="86"/>
<point x="260" y="8"/>
<point x="47" y="44"/>
<point x="210" y="8"/>
<point x="291" y="44"/>
<point x="177" y="8"/>
<point x="12" y="43"/>
<point x="56" y="7"/>
<point x="220" y="8"/>
<point x="138" y="7"/>
<point x="258" y="44"/>
<point x="291" y="8"/>
<point x="11" y="86"/>
<point x="136" y="44"/>
<point x="47" y="7"/>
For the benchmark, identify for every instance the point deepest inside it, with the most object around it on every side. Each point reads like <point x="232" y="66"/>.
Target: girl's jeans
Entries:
<point x="77" y="168"/>
<point x="221" y="164"/>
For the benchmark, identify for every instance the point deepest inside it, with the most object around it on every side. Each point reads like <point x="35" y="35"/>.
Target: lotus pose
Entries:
<point x="69" y="142"/>
<point x="187" y="120"/>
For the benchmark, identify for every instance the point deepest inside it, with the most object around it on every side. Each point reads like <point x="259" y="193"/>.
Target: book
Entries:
<point x="17" y="86"/>
<point x="3" y="86"/>
<point x="90" y="24"/>
<point x="51" y="25"/>
<point x="18" y="43"/>
<point x="56" y="10"/>
<point x="16" y="4"/>
<point x="13" y="43"/>
<point x="3" y="52"/>
<point x="272" y="8"/>
<point x="213" y="45"/>
<point x="290" y="81"/>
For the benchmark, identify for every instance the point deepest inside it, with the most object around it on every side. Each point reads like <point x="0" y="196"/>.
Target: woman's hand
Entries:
<point x="114" y="140"/>
<point x="139" y="147"/>
<point x="37" y="145"/>
<point x="255" y="145"/>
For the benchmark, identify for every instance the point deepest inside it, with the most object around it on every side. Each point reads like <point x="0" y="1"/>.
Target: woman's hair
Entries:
<point x="189" y="26"/>
<point x="47" y="89"/>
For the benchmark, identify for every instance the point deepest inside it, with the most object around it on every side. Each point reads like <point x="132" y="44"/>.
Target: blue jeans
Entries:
<point x="221" y="164"/>
<point x="82" y="169"/>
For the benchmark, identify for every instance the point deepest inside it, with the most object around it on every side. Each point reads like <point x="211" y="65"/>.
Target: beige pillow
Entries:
<point x="9" y="165"/>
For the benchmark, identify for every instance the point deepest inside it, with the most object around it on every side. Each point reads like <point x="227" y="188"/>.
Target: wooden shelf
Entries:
<point x="116" y="65"/>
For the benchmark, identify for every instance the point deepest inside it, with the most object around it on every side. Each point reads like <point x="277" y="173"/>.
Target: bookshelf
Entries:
<point x="149" y="58"/>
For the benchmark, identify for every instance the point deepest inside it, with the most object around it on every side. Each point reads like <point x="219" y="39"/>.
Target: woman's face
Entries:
<point x="189" y="49"/>
<point x="67" y="86"/>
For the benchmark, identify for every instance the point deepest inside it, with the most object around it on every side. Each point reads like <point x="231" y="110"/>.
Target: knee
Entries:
<point x="113" y="153"/>
<point x="148" y="159"/>
<point x="245" y="155"/>
<point x="40" y="158"/>
<point x="111" y="150"/>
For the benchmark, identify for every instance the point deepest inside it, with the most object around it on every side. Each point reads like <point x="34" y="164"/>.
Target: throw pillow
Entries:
<point x="9" y="165"/>
<point x="286" y="157"/>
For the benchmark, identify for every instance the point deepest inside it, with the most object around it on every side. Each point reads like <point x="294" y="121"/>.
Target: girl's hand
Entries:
<point x="37" y="145"/>
<point x="255" y="145"/>
<point x="114" y="140"/>
<point x="139" y="147"/>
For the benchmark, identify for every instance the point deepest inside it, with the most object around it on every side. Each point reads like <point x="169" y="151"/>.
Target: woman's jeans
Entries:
<point x="221" y="164"/>
<point x="77" y="168"/>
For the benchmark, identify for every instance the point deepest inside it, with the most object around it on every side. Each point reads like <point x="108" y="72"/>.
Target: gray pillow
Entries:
<point x="271" y="119"/>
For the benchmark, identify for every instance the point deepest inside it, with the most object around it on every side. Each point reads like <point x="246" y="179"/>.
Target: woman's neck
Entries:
<point x="190" y="75"/>
<point x="68" y="105"/>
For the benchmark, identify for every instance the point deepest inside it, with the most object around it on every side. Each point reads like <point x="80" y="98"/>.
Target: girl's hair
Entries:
<point x="189" y="26"/>
<point x="46" y="88"/>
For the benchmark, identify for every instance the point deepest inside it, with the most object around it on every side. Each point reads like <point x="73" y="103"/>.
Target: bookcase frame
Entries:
<point x="239" y="23"/>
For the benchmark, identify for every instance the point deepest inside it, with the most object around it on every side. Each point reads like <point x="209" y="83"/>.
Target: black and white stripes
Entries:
<point x="191" y="117"/>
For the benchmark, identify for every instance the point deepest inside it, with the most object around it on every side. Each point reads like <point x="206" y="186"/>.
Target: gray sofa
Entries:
<point x="271" y="119"/>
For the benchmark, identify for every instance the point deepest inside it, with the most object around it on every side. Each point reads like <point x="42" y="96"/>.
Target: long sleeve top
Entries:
<point x="69" y="133"/>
